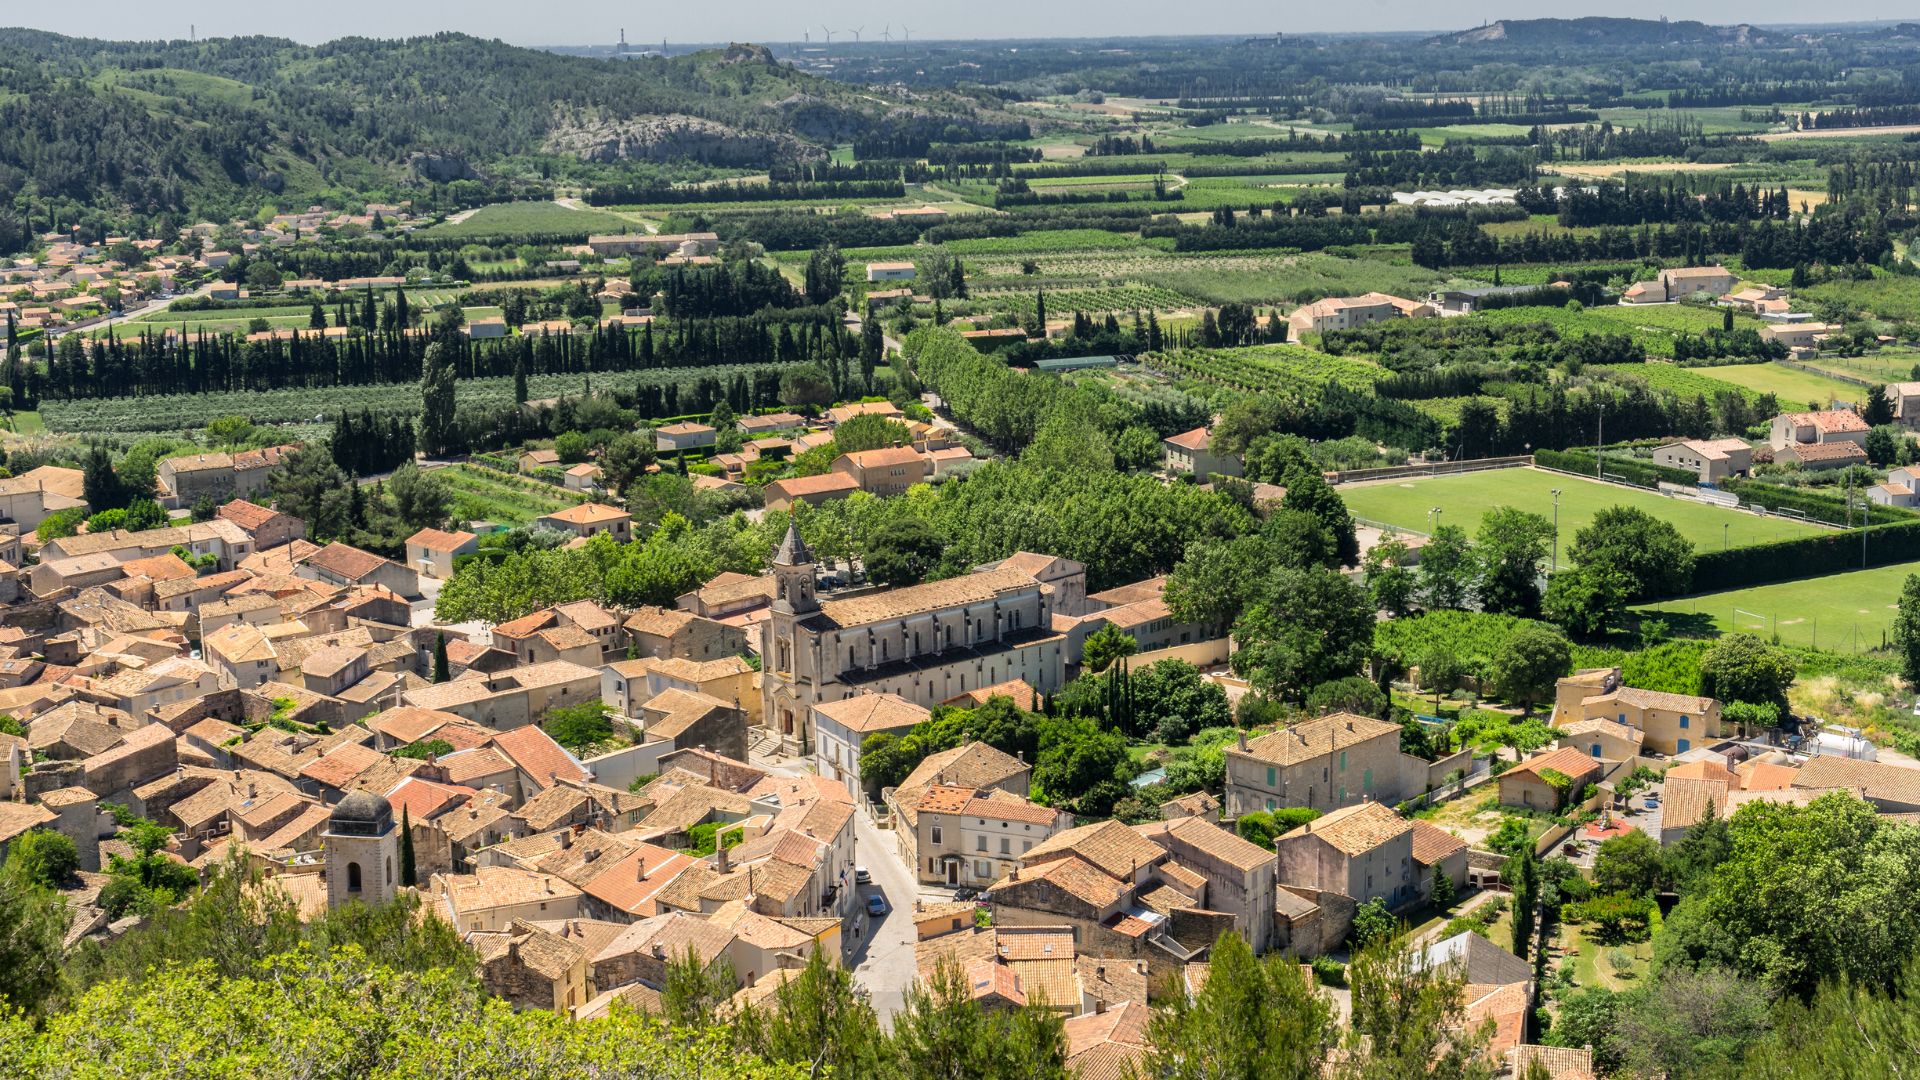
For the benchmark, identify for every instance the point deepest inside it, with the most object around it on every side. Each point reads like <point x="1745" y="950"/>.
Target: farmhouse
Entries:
<point x="1192" y="452"/>
<point x="1348" y="312"/>
<point x="1325" y="763"/>
<point x="1549" y="781"/>
<point x="1680" y="283"/>
<point x="891" y="271"/>
<point x="1828" y="439"/>
<point x="1668" y="723"/>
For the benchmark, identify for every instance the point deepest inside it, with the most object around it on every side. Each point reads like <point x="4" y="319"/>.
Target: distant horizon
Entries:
<point x="581" y="25"/>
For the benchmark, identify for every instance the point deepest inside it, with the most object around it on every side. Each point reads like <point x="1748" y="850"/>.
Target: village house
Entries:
<point x="1669" y="724"/>
<point x="269" y="528"/>
<point x="1901" y="488"/>
<point x="1192" y="452"/>
<point x="1798" y="337"/>
<point x="891" y="271"/>
<point x="1713" y="460"/>
<point x="431" y="552"/>
<point x="590" y="519"/>
<point x="810" y="490"/>
<point x="1549" y="781"/>
<point x="1325" y="763"/>
<point x="841" y="726"/>
<point x="686" y="435"/>
<point x="1680" y="283"/>
<point x="888" y="471"/>
<point x="339" y="564"/>
<point x="1349" y="312"/>
<point x="1830" y="439"/>
<point x="1362" y="851"/>
<point x="961" y="836"/>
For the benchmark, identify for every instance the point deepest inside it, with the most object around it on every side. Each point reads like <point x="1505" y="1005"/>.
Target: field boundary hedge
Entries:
<point x="1635" y="471"/>
<point x="1804" y="557"/>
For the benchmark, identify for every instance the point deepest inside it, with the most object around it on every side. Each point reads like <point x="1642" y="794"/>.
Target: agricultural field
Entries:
<point x="483" y="494"/>
<point x="1463" y="499"/>
<point x="1792" y="386"/>
<point x="530" y="219"/>
<point x="1654" y="326"/>
<point x="1265" y="369"/>
<point x="1849" y="612"/>
<point x="1893" y="298"/>
<point x="1117" y="299"/>
<point x="318" y="405"/>
<point x="1680" y="380"/>
<point x="1884" y="365"/>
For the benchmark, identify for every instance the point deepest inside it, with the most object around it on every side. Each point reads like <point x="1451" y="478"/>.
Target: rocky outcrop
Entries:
<point x="745" y="53"/>
<point x="674" y="138"/>
<point x="441" y="167"/>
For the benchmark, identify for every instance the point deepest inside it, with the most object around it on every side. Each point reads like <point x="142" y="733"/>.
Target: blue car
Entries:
<point x="876" y="905"/>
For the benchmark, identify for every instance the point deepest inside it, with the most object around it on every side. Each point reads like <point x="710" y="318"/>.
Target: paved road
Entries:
<point x="882" y="956"/>
<point x="155" y="306"/>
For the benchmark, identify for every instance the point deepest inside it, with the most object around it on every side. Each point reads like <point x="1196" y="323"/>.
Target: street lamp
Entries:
<point x="1725" y="535"/>
<point x="1554" y="566"/>
<point x="1433" y="520"/>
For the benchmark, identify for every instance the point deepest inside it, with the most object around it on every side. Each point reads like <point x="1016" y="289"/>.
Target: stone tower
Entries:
<point x="786" y="668"/>
<point x="793" y="573"/>
<point x="363" y="851"/>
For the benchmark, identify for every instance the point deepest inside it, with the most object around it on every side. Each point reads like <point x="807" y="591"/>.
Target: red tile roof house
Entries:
<point x="269" y="528"/>
<point x="340" y="564"/>
<point x="431" y="551"/>
<point x="590" y="519"/>
<point x="1532" y="783"/>
<point x="1191" y="452"/>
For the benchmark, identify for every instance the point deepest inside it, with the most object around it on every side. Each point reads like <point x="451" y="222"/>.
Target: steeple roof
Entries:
<point x="793" y="550"/>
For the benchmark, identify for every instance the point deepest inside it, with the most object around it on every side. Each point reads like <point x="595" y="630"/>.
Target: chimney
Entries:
<point x="592" y="854"/>
<point x="640" y="869"/>
<point x="566" y="839"/>
<point x="659" y="951"/>
<point x="1349" y="725"/>
<point x="432" y="759"/>
<point x="513" y="951"/>
<point x="1243" y="742"/>
<point x="251" y="789"/>
<point x="1099" y="1006"/>
<point x="722" y="860"/>
<point x="547" y="884"/>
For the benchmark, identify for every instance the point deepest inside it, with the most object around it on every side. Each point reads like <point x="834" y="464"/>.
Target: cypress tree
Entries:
<point x="407" y="875"/>
<point x="440" y="672"/>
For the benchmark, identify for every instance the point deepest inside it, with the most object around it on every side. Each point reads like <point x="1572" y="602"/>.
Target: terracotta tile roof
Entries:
<point x="589" y="514"/>
<point x="425" y="799"/>
<point x="930" y="596"/>
<point x="439" y="540"/>
<point x="1197" y="439"/>
<point x="1019" y="691"/>
<point x="883" y="457"/>
<point x="1702" y="769"/>
<point x="1830" y="451"/>
<point x="1687" y="801"/>
<point x="249" y="516"/>
<point x="1507" y="1006"/>
<point x="659" y="622"/>
<point x="1767" y="776"/>
<point x="503" y="886"/>
<point x="1560" y="1062"/>
<point x="1571" y="760"/>
<point x="1074" y="876"/>
<point x="1600" y="725"/>
<point x="1655" y="699"/>
<point x="1312" y="739"/>
<point x="1228" y="847"/>
<point x="632" y="884"/>
<point x="1878" y="780"/>
<point x="1125" y="1022"/>
<point x="526" y="625"/>
<point x="562" y="638"/>
<point x="166" y="567"/>
<point x="1358" y="829"/>
<point x="16" y="818"/>
<point x="1109" y="845"/>
<point x="410" y="724"/>
<point x="586" y="615"/>
<point x="867" y="713"/>
<point x="1829" y="421"/>
<point x="821" y="484"/>
<point x="337" y="767"/>
<point x="475" y="764"/>
<point x="538" y="755"/>
<point x="1034" y="943"/>
<point x="347" y="562"/>
<point x="1432" y="843"/>
<point x="973" y="765"/>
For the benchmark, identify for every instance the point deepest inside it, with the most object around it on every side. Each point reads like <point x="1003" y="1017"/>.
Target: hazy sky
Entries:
<point x="574" y="22"/>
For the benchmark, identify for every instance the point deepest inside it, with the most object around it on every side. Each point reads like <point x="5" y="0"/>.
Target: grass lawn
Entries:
<point x="1465" y="498"/>
<point x="1795" y="388"/>
<point x="27" y="423"/>
<point x="1591" y="966"/>
<point x="1848" y="612"/>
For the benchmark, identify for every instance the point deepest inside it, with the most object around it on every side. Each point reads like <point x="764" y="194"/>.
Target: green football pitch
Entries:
<point x="1465" y="497"/>
<point x="1849" y="612"/>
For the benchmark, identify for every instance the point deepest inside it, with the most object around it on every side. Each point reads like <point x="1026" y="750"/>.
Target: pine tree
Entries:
<point x="407" y="873"/>
<point x="440" y="670"/>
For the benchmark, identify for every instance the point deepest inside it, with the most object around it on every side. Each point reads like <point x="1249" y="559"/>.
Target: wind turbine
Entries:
<point x="906" y="33"/>
<point x="856" y="34"/>
<point x="829" y="34"/>
<point x="887" y="34"/>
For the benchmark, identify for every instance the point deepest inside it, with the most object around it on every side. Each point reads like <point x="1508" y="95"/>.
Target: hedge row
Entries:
<point x="1633" y="470"/>
<point x="1810" y="556"/>
<point x="1815" y="503"/>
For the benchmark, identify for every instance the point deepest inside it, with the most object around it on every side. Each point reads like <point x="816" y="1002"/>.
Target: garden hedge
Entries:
<point x="1634" y="470"/>
<point x="1809" y="556"/>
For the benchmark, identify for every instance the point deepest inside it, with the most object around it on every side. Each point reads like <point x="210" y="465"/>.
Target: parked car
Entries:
<point x="861" y="876"/>
<point x="965" y="892"/>
<point x="876" y="905"/>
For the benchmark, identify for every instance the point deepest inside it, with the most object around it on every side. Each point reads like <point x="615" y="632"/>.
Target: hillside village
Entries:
<point x="1085" y="576"/>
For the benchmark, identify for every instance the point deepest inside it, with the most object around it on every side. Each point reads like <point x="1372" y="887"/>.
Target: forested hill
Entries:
<point x="210" y="127"/>
<point x="1599" y="30"/>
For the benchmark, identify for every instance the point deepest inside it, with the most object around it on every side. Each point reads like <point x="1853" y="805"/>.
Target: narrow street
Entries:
<point x="882" y="957"/>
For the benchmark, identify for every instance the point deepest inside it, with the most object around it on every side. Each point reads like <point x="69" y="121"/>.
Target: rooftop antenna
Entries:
<point x="856" y="34"/>
<point x="829" y="34"/>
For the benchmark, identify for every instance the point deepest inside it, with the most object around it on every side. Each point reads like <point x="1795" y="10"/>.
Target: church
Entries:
<point x="927" y="643"/>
